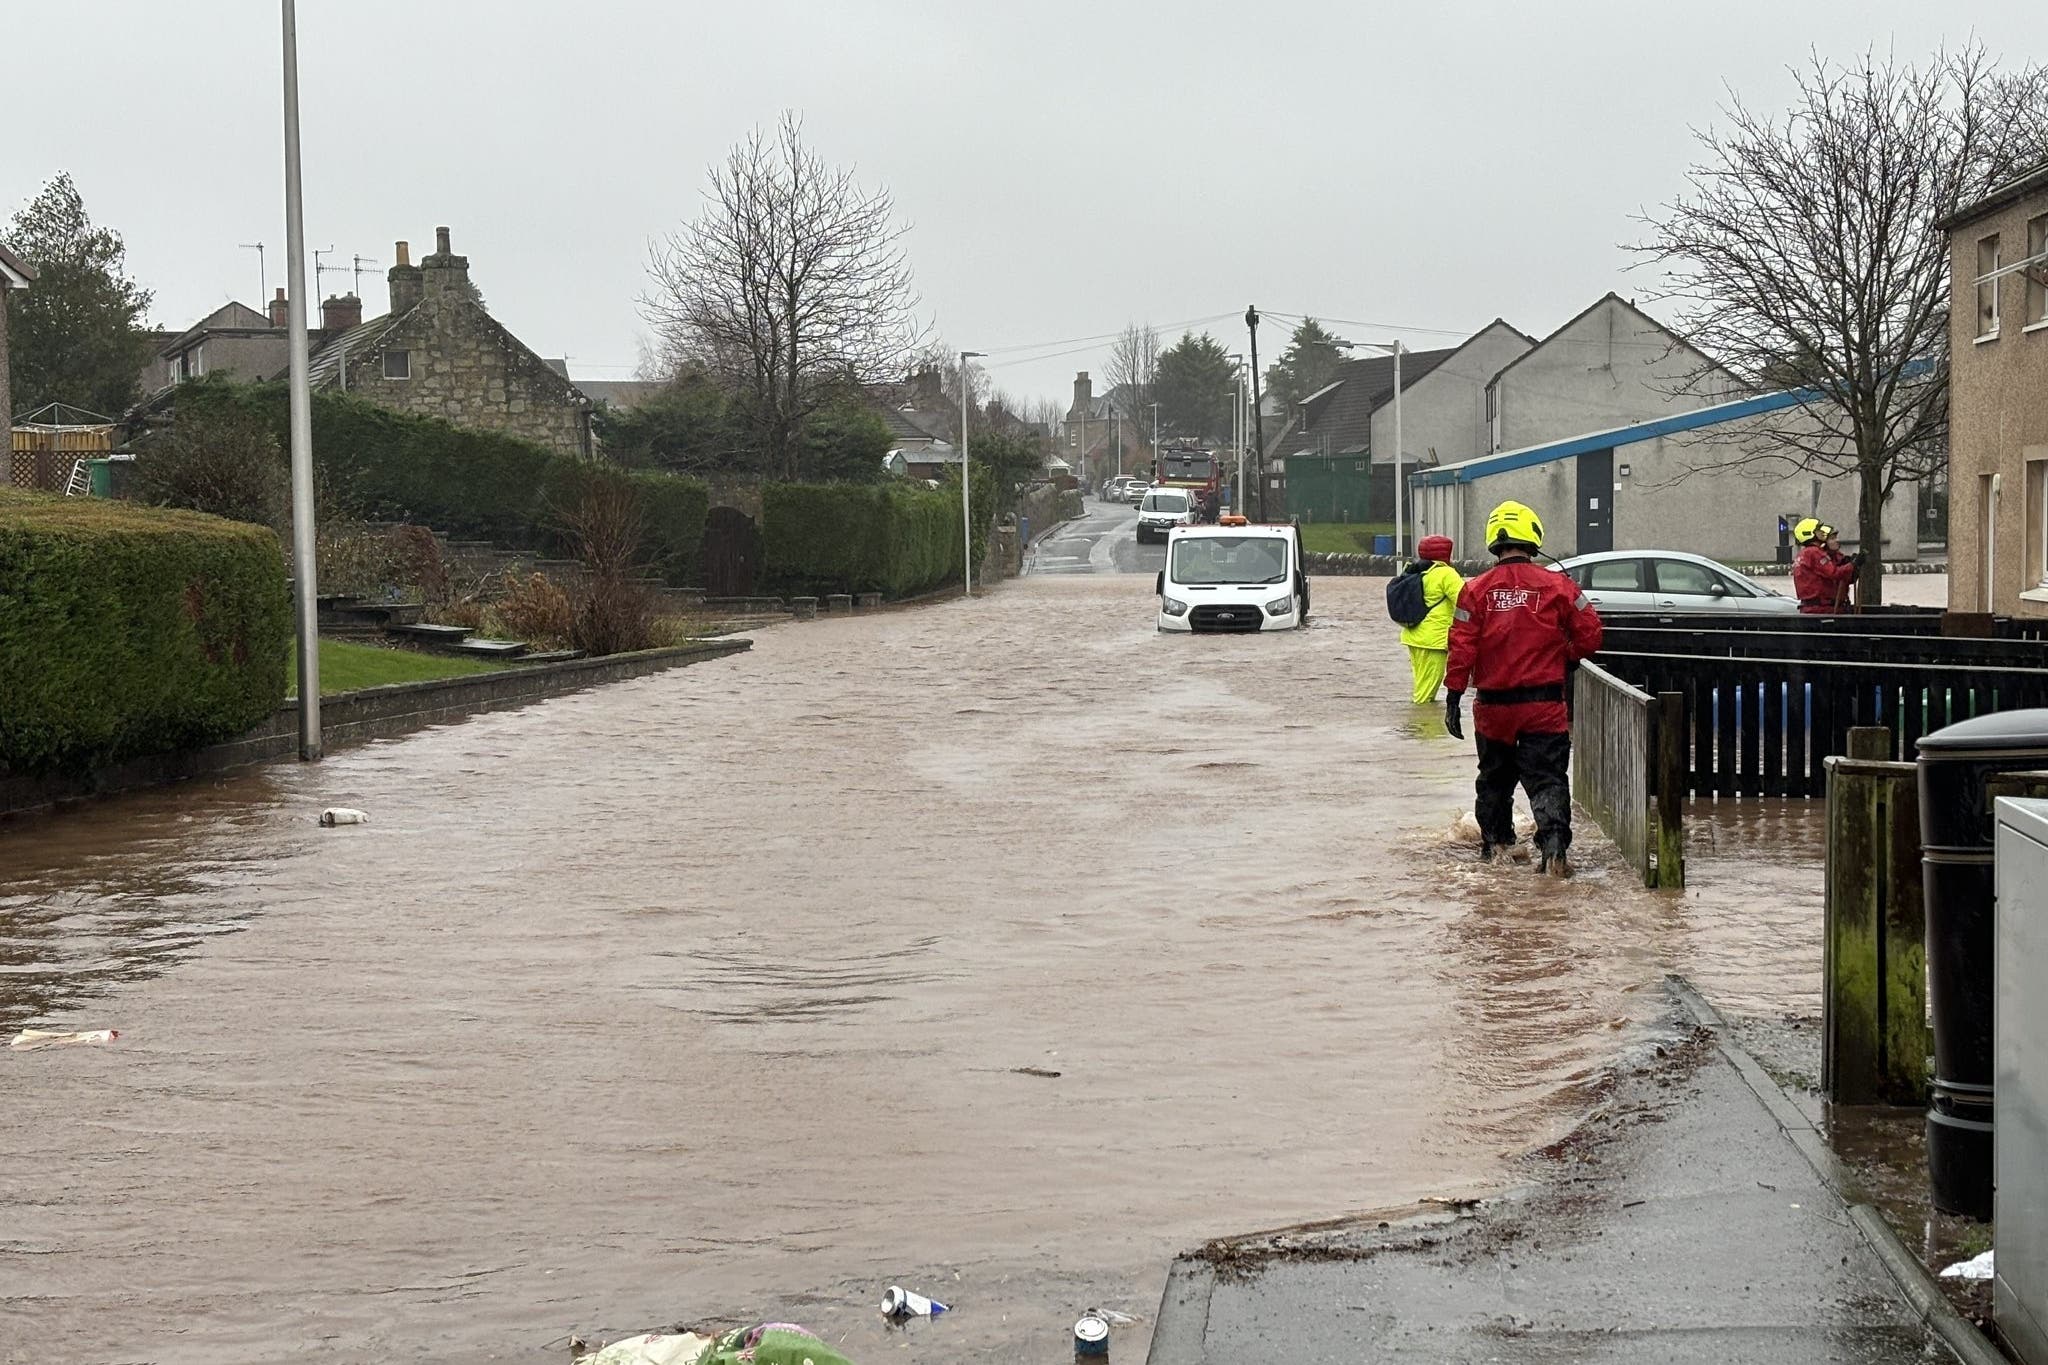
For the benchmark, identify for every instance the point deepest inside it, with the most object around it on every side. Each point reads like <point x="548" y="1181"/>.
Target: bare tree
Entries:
<point x="1805" y="256"/>
<point x="791" y="286"/>
<point x="1132" y="369"/>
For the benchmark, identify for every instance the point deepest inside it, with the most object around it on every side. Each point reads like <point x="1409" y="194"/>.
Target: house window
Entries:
<point x="1987" y="287"/>
<point x="2037" y="273"/>
<point x="398" y="364"/>
<point x="2037" y="518"/>
<point x="197" y="356"/>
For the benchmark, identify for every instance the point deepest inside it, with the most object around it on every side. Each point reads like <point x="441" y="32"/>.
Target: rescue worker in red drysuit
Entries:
<point x="1518" y="629"/>
<point x="1821" y="575"/>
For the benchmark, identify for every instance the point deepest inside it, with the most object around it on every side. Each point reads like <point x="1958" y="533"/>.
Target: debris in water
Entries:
<point x="1035" y="1071"/>
<point x="1456" y="1204"/>
<point x="771" y="1343"/>
<point x="1091" y="1334"/>
<point x="342" y="815"/>
<point x="29" y="1039"/>
<point x="899" y="1302"/>
<point x="1976" y="1268"/>
<point x="1114" y="1318"/>
<point x="649" y="1348"/>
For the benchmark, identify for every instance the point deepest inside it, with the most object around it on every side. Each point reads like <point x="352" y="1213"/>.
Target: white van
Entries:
<point x="1233" y="576"/>
<point x="1161" y="510"/>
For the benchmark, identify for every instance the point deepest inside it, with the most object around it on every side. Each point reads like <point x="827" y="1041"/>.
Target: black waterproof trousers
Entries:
<point x="1543" y="765"/>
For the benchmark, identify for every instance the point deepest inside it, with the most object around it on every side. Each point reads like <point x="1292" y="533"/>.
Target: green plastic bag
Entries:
<point x="771" y="1343"/>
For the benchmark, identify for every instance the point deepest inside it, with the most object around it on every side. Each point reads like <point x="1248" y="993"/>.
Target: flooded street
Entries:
<point x="707" y="996"/>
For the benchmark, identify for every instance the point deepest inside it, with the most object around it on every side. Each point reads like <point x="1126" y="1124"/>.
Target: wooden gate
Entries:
<point x="732" y="553"/>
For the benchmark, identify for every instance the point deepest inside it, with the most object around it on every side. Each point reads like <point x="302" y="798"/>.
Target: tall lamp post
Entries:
<point x="304" y="589"/>
<point x="1237" y="426"/>
<point x="966" y="479"/>
<point x="1155" y="443"/>
<point x="1251" y="322"/>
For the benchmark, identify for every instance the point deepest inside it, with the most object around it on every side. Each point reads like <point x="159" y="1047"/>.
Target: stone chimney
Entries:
<point x="280" y="310"/>
<point x="444" y="270"/>
<point x="1084" y="394"/>
<point x="404" y="278"/>
<point x="341" y="312"/>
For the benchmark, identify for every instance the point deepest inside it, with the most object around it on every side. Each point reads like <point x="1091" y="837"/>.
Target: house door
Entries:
<point x="1596" y="502"/>
<point x="731" y="553"/>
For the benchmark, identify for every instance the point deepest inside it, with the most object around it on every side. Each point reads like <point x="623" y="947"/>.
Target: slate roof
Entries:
<point x="14" y="271"/>
<point x="1337" y="419"/>
<point x="230" y="316"/>
<point x="2017" y="188"/>
<point x="356" y="340"/>
<point x="907" y="426"/>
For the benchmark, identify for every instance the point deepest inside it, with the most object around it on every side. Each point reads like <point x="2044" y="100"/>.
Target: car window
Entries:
<point x="1614" y="575"/>
<point x="1683" y="576"/>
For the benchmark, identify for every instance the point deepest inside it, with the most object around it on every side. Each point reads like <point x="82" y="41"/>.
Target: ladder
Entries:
<point x="79" y="485"/>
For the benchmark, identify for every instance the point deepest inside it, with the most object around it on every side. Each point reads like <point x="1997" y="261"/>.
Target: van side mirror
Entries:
<point x="1159" y="584"/>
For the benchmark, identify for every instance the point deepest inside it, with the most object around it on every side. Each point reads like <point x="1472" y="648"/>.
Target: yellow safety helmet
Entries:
<point x="1513" y="524"/>
<point x="1808" y="530"/>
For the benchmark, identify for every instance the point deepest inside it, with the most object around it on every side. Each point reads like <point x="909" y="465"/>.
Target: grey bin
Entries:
<point x="1957" y="875"/>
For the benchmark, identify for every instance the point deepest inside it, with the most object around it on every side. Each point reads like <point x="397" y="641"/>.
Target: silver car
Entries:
<point x="1670" y="581"/>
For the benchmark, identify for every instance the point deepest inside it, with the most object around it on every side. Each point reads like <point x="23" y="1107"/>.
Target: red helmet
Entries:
<point x="1434" y="547"/>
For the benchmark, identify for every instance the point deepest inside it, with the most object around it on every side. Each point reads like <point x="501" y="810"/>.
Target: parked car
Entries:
<point x="1669" y="581"/>
<point x="1162" y="509"/>
<point x="1127" y="488"/>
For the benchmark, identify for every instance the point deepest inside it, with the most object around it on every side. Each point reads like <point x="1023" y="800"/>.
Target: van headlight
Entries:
<point x="1280" y="606"/>
<point x="1173" y="606"/>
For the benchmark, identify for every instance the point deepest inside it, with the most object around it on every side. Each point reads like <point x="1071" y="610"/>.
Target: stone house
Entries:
<point x="438" y="352"/>
<point x="1998" y="400"/>
<point x="235" y="339"/>
<point x="1104" y="435"/>
<point x="15" y="273"/>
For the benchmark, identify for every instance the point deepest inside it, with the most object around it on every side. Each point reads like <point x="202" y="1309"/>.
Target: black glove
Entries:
<point x="1454" y="720"/>
<point x="1857" y="559"/>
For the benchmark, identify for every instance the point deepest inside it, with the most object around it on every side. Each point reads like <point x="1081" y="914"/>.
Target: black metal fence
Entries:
<point x="1765" y="724"/>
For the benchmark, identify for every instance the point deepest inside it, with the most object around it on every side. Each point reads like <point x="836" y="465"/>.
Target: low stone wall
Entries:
<point x="350" y="718"/>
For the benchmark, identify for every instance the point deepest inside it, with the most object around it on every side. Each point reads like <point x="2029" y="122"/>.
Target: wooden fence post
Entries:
<point x="1849" y="1045"/>
<point x="1673" y="773"/>
<point x="1874" y="1003"/>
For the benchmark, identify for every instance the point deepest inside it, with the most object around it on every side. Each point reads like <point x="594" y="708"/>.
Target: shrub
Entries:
<point x="225" y="463"/>
<point x="607" y="525"/>
<point x="895" y="539"/>
<point x="468" y="483"/>
<point x="128" y="630"/>
<point x="536" y="608"/>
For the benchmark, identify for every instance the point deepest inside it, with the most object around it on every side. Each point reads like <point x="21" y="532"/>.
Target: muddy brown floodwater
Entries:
<point x="703" y="998"/>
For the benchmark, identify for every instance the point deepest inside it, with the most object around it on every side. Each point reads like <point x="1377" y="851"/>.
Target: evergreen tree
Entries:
<point x="1309" y="363"/>
<point x="75" y="337"/>
<point x="1195" y="383"/>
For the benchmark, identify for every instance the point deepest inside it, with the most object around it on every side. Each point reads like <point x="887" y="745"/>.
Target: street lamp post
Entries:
<point x="1400" y="520"/>
<point x="1155" y="443"/>
<point x="966" y="478"/>
<point x="304" y="589"/>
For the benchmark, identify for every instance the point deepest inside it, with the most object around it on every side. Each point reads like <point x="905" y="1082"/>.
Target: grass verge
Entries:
<point x="346" y="667"/>
<point x="1342" y="537"/>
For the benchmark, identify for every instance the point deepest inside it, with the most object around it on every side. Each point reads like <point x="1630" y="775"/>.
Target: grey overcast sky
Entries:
<point x="1065" y="167"/>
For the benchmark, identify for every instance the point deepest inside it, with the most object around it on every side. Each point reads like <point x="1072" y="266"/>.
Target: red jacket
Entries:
<point x="1518" y="626"/>
<point x="1821" y="579"/>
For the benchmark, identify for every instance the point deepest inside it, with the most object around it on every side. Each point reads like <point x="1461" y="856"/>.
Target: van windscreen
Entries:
<point x="1199" y="560"/>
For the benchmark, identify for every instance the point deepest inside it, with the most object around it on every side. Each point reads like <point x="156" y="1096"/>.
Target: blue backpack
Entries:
<point x="1405" y="600"/>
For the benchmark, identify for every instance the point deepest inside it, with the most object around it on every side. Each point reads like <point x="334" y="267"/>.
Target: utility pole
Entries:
<point x="1155" y="442"/>
<point x="966" y="479"/>
<point x="1251" y="321"/>
<point x="262" y="276"/>
<point x="304" y="561"/>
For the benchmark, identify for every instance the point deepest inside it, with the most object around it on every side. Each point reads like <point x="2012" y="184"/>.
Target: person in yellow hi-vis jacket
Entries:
<point x="1429" y="640"/>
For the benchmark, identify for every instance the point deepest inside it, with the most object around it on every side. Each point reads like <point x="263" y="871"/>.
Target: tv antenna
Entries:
<point x="319" y="269"/>
<point x="262" y="275"/>
<point x="357" y="286"/>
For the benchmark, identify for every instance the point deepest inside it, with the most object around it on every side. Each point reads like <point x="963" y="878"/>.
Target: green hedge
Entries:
<point x="896" y="539"/>
<point x="128" y="630"/>
<point x="470" y="483"/>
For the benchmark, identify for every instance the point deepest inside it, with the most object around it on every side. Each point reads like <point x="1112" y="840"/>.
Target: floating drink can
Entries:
<point x="899" y="1302"/>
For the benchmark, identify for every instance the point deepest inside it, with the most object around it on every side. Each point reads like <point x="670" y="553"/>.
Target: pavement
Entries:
<point x="1683" y="1223"/>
